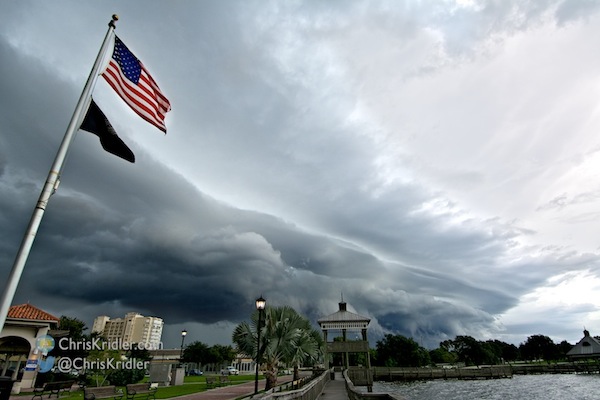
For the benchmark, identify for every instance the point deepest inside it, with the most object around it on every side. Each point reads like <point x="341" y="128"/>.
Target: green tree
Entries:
<point x="283" y="337"/>
<point x="196" y="352"/>
<point x="218" y="354"/>
<point x="125" y="376"/>
<point x="539" y="347"/>
<point x="76" y="327"/>
<point x="73" y="331"/>
<point x="563" y="349"/>
<point x="468" y="350"/>
<point x="503" y="351"/>
<point x="473" y="352"/>
<point x="400" y="351"/>
<point x="442" y="356"/>
<point x="97" y="362"/>
<point x="308" y="347"/>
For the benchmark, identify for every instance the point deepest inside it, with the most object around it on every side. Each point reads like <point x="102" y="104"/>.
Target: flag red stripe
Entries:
<point x="130" y="90"/>
<point x="154" y="91"/>
<point x="145" y="98"/>
<point x="133" y="94"/>
<point x="137" y="106"/>
<point x="146" y="116"/>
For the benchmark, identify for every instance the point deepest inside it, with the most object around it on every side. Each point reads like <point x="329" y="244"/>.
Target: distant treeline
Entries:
<point x="400" y="351"/>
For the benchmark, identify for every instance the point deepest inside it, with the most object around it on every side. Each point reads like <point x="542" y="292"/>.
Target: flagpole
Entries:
<point x="52" y="180"/>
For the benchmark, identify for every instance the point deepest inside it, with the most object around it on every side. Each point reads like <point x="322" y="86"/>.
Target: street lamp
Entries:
<point x="260" y="306"/>
<point x="183" y="333"/>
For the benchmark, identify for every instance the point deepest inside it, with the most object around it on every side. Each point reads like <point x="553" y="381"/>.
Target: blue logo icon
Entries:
<point x="46" y="364"/>
<point x="45" y="344"/>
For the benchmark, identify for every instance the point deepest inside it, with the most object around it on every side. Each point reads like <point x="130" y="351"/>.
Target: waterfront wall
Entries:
<point x="560" y="368"/>
<point x="405" y="374"/>
<point x="482" y="372"/>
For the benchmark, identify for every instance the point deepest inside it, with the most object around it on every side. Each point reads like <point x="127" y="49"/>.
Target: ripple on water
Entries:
<point x="520" y="387"/>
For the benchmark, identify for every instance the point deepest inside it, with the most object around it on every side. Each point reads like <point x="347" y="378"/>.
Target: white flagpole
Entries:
<point x="52" y="180"/>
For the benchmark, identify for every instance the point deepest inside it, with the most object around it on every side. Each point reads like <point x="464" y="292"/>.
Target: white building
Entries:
<point x="25" y="324"/>
<point x="133" y="329"/>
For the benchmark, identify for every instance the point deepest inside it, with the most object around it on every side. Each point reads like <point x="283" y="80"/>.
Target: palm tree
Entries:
<point x="308" y="348"/>
<point x="286" y="337"/>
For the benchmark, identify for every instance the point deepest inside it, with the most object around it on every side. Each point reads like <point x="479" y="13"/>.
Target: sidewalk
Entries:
<point x="222" y="393"/>
<point x="335" y="389"/>
<point x="229" y="392"/>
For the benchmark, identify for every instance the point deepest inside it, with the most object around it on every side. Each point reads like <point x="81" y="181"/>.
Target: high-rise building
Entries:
<point x="100" y="323"/>
<point x="133" y="329"/>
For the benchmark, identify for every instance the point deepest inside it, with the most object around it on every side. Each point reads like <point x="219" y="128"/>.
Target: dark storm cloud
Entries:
<point x="285" y="170"/>
<point x="106" y="240"/>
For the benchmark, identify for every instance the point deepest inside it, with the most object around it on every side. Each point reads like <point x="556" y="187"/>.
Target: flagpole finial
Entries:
<point x="114" y="19"/>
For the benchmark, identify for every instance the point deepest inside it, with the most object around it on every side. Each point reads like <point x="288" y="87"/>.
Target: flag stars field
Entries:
<point x="128" y="63"/>
<point x="126" y="74"/>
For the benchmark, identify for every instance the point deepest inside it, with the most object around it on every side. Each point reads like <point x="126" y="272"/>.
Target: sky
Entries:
<point x="434" y="163"/>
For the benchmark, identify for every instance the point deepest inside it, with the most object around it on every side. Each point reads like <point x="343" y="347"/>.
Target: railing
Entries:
<point x="360" y="376"/>
<point x="354" y="394"/>
<point x="310" y="391"/>
<point x="293" y="385"/>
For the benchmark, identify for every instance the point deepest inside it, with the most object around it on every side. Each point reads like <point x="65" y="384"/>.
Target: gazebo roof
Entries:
<point x="343" y="319"/>
<point x="586" y="347"/>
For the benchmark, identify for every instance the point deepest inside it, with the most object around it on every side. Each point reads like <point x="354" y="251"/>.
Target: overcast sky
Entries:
<point x="437" y="163"/>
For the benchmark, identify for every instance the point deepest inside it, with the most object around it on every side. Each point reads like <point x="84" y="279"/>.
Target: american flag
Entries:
<point x="130" y="79"/>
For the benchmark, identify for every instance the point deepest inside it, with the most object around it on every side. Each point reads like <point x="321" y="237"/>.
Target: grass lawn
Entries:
<point x="180" y="390"/>
<point x="191" y="384"/>
<point x="232" y="378"/>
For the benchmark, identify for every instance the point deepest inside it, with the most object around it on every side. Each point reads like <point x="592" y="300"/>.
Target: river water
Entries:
<point x="519" y="387"/>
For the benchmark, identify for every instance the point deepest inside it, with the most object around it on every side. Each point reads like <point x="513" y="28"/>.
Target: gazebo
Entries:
<point x="586" y="348"/>
<point x="344" y="321"/>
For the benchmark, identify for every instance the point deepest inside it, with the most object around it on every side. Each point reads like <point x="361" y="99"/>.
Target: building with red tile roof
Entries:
<point x="30" y="313"/>
<point x="24" y="324"/>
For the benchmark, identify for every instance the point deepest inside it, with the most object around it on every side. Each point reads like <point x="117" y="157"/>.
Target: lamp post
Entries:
<point x="183" y="333"/>
<point x="260" y="306"/>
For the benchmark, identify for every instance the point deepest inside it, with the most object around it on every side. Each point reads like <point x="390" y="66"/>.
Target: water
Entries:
<point x="520" y="387"/>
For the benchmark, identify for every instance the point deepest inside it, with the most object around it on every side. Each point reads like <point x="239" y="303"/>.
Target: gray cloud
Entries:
<point x="313" y="149"/>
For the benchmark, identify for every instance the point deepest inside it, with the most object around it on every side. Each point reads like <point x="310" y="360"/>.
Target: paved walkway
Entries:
<point x="221" y="393"/>
<point x="229" y="392"/>
<point x="334" y="390"/>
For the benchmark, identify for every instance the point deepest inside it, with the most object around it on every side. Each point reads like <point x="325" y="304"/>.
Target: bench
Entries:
<point x="102" y="392"/>
<point x="53" y="388"/>
<point x="223" y="380"/>
<point x="211" y="382"/>
<point x="146" y="390"/>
